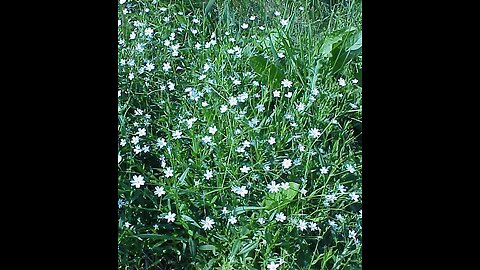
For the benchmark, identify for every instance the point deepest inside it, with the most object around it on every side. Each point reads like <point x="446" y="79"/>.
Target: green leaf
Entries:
<point x="328" y="45"/>
<point x="189" y="219"/>
<point x="358" y="43"/>
<point x="181" y="180"/>
<point x="248" y="247"/>
<point x="160" y="236"/>
<point x="269" y="73"/>
<point x="208" y="248"/>
<point x="209" y="6"/>
<point x="192" y="247"/>
<point x="282" y="197"/>
<point x="242" y="209"/>
<point x="234" y="249"/>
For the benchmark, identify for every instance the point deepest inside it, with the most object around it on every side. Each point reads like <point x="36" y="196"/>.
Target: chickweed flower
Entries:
<point x="137" y="181"/>
<point x="168" y="172"/>
<point x="286" y="83"/>
<point x="245" y="169"/>
<point x="280" y="217"/>
<point x="286" y="163"/>
<point x="273" y="187"/>
<point x="159" y="191"/>
<point x="207" y="223"/>
<point x="170" y="217"/>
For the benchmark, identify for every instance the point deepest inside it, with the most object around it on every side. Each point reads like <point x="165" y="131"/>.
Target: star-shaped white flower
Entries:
<point x="170" y="217"/>
<point x="159" y="191"/>
<point x="168" y="172"/>
<point x="286" y="163"/>
<point x="286" y="83"/>
<point x="208" y="174"/>
<point x="272" y="265"/>
<point x="207" y="223"/>
<point x="138" y="181"/>
<point x="245" y="169"/>
<point x="273" y="187"/>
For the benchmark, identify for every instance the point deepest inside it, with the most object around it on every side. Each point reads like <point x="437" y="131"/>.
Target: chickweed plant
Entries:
<point x="239" y="134"/>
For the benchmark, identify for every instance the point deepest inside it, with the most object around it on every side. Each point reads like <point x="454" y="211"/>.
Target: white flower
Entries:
<point x="131" y="76"/>
<point x="232" y="220"/>
<point x="284" y="22"/>
<point x="237" y="82"/>
<point x="225" y="210"/>
<point x="176" y="134"/>
<point x="301" y="107"/>
<point x="223" y="108"/>
<point x="272" y="265"/>
<point x="285" y="185"/>
<point x="273" y="187"/>
<point x="207" y="223"/>
<point x="303" y="191"/>
<point x="340" y="217"/>
<point x="341" y="82"/>
<point x="354" y="81"/>
<point x="161" y="143"/>
<point x="286" y="83"/>
<point x="166" y="66"/>
<point x="133" y="35"/>
<point x="168" y="172"/>
<point x="149" y="67"/>
<point x="330" y="198"/>
<point x="204" y="104"/>
<point x="244" y="26"/>
<point x="260" y="107"/>
<point x="245" y="169"/>
<point x="195" y="20"/>
<point x="233" y="101"/>
<point x="341" y="188"/>
<point x="122" y="1"/>
<point x="350" y="168"/>
<point x="354" y="196"/>
<point x="242" y="191"/>
<point x="271" y="141"/>
<point x="280" y="217"/>
<point x="313" y="226"/>
<point x="242" y="97"/>
<point x="277" y="13"/>
<point x="207" y="139"/>
<point x="333" y="224"/>
<point x="208" y="174"/>
<point x="302" y="225"/>
<point x="261" y="221"/>
<point x="276" y="93"/>
<point x="141" y="132"/>
<point x="324" y="170"/>
<point x="252" y="18"/>
<point x="212" y="130"/>
<point x="149" y="32"/>
<point x="314" y="132"/>
<point x="170" y="217"/>
<point x="123" y="142"/>
<point x="137" y="181"/>
<point x="288" y="95"/>
<point x="352" y="234"/>
<point x="159" y="191"/>
<point x="286" y="163"/>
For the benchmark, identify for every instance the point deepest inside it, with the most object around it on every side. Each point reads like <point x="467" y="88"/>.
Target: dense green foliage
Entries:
<point x="246" y="113"/>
